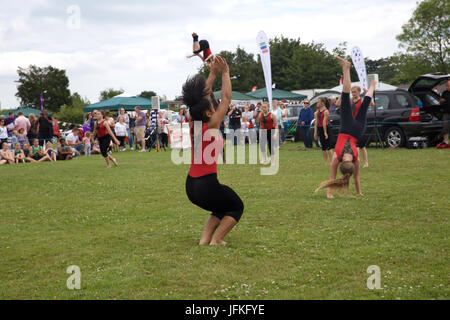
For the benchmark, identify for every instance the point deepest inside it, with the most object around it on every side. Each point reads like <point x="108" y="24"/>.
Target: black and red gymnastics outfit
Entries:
<point x="204" y="46"/>
<point x="352" y="128"/>
<point x="202" y="187"/>
<point x="266" y="123"/>
<point x="325" y="143"/>
<point x="364" y="139"/>
<point x="104" y="139"/>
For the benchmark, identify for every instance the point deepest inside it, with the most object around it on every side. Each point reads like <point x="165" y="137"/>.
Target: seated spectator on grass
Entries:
<point x="6" y="153"/>
<point x="14" y="138"/>
<point x="50" y="151"/>
<point x="22" y="136"/>
<point x="64" y="152"/>
<point x="19" y="156"/>
<point x="73" y="141"/>
<point x="3" y="131"/>
<point x="26" y="151"/>
<point x="37" y="152"/>
<point x="96" y="147"/>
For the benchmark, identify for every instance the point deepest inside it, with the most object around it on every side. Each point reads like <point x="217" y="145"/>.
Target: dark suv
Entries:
<point x="399" y="116"/>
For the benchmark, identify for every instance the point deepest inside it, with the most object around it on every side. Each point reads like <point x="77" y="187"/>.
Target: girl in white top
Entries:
<point x="3" y="131"/>
<point x="121" y="132"/>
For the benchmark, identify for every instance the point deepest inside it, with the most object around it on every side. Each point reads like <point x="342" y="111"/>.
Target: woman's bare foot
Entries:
<point x="218" y="243"/>
<point x="330" y="196"/>
<point x="344" y="63"/>
<point x="203" y="242"/>
<point x="366" y="165"/>
<point x="114" y="161"/>
<point x="194" y="35"/>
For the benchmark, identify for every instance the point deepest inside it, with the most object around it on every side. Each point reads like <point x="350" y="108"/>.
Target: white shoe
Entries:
<point x="131" y="148"/>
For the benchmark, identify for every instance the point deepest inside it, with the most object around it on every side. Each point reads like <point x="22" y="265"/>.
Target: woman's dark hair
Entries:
<point x="194" y="97"/>
<point x="325" y="101"/>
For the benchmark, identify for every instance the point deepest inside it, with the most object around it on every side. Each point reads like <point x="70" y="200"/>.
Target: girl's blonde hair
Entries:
<point x="347" y="168"/>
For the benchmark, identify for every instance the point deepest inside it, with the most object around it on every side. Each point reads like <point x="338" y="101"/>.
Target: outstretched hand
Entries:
<point x="220" y="64"/>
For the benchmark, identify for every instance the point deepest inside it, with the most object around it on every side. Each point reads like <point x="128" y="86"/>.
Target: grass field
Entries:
<point x="134" y="233"/>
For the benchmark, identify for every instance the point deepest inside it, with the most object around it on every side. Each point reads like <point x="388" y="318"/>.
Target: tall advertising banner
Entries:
<point x="360" y="66"/>
<point x="264" y="52"/>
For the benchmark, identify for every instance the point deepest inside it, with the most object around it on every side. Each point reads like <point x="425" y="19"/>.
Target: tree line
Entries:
<point x="295" y="65"/>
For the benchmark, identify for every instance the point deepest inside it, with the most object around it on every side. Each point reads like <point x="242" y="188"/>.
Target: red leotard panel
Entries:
<point x="269" y="123"/>
<point x="320" y="116"/>
<point x="207" y="53"/>
<point x="358" y="104"/>
<point x="340" y="143"/>
<point x="101" y="131"/>
<point x="208" y="159"/>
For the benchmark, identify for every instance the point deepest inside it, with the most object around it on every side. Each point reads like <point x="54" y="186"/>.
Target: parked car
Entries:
<point x="423" y="88"/>
<point x="399" y="116"/>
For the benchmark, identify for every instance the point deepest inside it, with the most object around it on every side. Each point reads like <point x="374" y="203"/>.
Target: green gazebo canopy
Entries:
<point x="276" y="94"/>
<point x="128" y="103"/>
<point x="25" y="110"/>
<point x="235" y="95"/>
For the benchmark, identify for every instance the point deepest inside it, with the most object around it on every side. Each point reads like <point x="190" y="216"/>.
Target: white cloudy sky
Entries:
<point x="141" y="45"/>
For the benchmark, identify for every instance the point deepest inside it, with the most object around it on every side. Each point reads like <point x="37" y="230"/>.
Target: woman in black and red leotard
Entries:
<point x="104" y="134"/>
<point x="345" y="151"/>
<point x="202" y="186"/>
<point x="321" y="128"/>
<point x="199" y="46"/>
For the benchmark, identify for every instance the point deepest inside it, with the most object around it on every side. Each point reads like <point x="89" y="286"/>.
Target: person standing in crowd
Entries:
<point x="121" y="132"/>
<point x="304" y="119"/>
<point x="267" y="122"/>
<point x="3" y="132"/>
<point x="9" y="122"/>
<point x="249" y="114"/>
<point x="256" y="116"/>
<point x="445" y="102"/>
<point x="279" y="125"/>
<point x="163" y="120"/>
<point x="321" y="129"/>
<point x="183" y="115"/>
<point x="22" y="122"/>
<point x="140" y="125"/>
<point x="45" y="131"/>
<point x="235" y="123"/>
<point x="92" y="120"/>
<point x="104" y="134"/>
<point x="333" y="107"/>
<point x="126" y="120"/>
<point x="87" y="143"/>
<point x="32" y="133"/>
<point x="22" y="137"/>
<point x="87" y="123"/>
<point x="284" y="121"/>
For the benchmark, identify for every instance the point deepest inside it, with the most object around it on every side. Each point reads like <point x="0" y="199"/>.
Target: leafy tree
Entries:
<point x="427" y="33"/>
<point x="73" y="113"/>
<point x="109" y="93"/>
<point x="52" y="81"/>
<point x="147" y="94"/>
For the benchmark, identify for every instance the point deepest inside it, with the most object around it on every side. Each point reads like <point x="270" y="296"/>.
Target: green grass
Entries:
<point x="134" y="233"/>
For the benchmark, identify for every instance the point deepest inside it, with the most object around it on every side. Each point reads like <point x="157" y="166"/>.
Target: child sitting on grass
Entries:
<point x="50" y="151"/>
<point x="19" y="156"/>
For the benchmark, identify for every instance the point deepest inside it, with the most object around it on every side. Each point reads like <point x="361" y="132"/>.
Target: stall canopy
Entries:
<point x="25" y="110"/>
<point x="277" y="94"/>
<point x="128" y="103"/>
<point x="235" y="95"/>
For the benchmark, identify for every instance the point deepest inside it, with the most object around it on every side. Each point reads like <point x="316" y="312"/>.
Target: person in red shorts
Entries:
<point x="201" y="46"/>
<point x="345" y="151"/>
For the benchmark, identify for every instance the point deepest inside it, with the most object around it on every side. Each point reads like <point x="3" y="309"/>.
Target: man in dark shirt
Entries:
<point x="235" y="122"/>
<point x="445" y="102"/>
<point x="9" y="123"/>
<point x="45" y="132"/>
